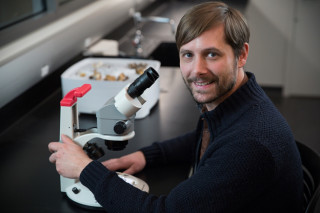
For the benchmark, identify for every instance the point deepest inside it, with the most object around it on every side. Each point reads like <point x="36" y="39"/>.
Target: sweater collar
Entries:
<point x="235" y="105"/>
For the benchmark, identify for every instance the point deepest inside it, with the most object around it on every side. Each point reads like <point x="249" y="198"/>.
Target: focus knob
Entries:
<point x="120" y="127"/>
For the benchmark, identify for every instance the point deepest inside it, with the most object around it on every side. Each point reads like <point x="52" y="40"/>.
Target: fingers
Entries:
<point x="53" y="158"/>
<point x="66" y="139"/>
<point x="131" y="163"/>
<point x="114" y="164"/>
<point x="130" y="171"/>
<point x="54" y="146"/>
<point x="118" y="164"/>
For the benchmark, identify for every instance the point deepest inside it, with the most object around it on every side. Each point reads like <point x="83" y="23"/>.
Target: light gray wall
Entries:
<point x="302" y="75"/>
<point x="270" y="27"/>
<point x="284" y="45"/>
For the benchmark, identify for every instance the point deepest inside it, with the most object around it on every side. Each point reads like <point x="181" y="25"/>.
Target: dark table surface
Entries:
<point x="30" y="183"/>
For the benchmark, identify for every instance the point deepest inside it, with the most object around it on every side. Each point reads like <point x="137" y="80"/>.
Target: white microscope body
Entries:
<point x="115" y="124"/>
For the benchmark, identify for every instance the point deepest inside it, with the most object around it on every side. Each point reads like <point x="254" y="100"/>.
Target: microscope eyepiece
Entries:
<point x="142" y="83"/>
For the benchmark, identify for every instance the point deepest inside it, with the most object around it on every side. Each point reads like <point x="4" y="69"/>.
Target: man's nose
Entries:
<point x="199" y="66"/>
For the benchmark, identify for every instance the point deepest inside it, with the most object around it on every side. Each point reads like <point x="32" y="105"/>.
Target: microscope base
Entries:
<point x="80" y="194"/>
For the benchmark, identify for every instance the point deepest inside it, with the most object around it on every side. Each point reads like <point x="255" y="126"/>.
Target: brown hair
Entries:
<point x="206" y="15"/>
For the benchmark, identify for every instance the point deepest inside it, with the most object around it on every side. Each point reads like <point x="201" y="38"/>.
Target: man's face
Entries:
<point x="209" y="67"/>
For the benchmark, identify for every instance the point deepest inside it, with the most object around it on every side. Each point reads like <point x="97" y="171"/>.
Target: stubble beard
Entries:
<point x="222" y="87"/>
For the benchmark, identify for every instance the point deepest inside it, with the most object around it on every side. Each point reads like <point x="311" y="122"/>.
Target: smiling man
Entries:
<point x="242" y="152"/>
<point x="210" y="68"/>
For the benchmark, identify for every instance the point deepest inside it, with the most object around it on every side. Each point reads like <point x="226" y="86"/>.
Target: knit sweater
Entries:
<point x="251" y="164"/>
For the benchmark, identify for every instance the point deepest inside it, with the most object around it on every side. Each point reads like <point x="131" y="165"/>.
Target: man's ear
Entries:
<point x="242" y="60"/>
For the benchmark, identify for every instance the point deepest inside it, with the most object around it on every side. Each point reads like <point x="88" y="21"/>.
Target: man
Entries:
<point x="243" y="153"/>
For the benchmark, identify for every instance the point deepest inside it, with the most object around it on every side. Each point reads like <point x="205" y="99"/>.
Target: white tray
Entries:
<point x="102" y="90"/>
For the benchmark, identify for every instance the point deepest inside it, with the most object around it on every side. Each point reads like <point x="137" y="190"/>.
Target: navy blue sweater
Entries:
<point x="251" y="164"/>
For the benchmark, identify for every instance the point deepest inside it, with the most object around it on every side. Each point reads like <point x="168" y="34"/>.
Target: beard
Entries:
<point x="221" y="86"/>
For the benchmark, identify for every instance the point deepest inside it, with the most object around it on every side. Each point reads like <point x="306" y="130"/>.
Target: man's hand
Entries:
<point x="132" y="163"/>
<point x="69" y="157"/>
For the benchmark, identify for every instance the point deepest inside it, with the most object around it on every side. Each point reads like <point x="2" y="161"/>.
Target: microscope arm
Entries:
<point x="86" y="136"/>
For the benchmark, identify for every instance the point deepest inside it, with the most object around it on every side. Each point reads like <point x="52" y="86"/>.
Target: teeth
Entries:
<point x="202" y="83"/>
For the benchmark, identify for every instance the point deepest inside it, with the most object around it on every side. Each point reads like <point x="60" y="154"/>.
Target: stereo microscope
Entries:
<point x="115" y="124"/>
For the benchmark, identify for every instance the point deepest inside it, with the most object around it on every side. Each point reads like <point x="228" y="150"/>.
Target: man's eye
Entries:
<point x="212" y="54"/>
<point x="187" y="55"/>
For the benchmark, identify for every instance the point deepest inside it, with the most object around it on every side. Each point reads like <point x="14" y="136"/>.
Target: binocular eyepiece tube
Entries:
<point x="142" y="82"/>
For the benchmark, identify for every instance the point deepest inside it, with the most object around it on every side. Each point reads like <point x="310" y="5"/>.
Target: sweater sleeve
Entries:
<point x="176" y="150"/>
<point x="215" y="187"/>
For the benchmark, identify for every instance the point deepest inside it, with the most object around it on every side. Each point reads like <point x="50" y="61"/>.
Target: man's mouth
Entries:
<point x="202" y="83"/>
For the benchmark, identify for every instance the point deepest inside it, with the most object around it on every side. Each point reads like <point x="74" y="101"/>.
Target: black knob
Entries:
<point x="75" y="190"/>
<point x="120" y="127"/>
<point x="116" y="145"/>
<point x="93" y="151"/>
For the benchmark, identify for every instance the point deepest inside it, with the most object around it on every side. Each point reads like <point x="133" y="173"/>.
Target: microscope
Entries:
<point x="115" y="125"/>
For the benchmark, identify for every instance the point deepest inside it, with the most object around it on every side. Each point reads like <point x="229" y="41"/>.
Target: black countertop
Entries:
<point x="30" y="183"/>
